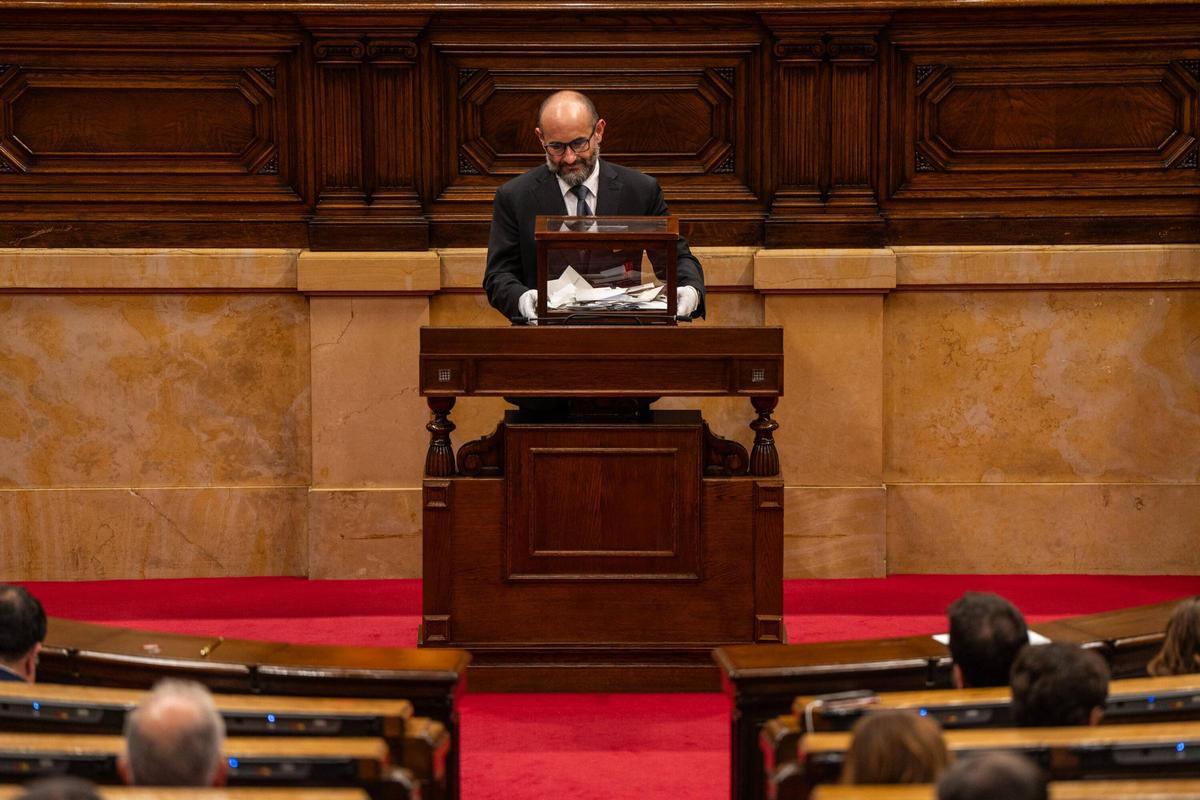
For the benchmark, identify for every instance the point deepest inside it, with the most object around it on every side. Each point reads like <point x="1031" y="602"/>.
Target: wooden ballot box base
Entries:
<point x="597" y="555"/>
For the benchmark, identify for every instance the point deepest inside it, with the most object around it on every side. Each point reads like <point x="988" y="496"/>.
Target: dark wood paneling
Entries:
<point x="155" y="125"/>
<point x="366" y="129"/>
<point x="679" y="95"/>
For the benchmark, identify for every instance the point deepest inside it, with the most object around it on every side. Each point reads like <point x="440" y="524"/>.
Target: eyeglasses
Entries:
<point x="580" y="145"/>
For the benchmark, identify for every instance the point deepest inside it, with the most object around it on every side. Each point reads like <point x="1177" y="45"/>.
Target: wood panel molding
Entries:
<point x="389" y="126"/>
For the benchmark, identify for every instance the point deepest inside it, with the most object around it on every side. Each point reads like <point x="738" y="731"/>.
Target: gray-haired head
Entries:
<point x="175" y="737"/>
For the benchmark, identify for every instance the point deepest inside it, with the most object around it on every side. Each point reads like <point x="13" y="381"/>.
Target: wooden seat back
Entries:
<point x="762" y="681"/>
<point x="1175" y="697"/>
<point x="1099" y="752"/>
<point x="226" y="793"/>
<point x="252" y="761"/>
<point x="432" y="679"/>
<point x="1181" y="789"/>
<point x="417" y="743"/>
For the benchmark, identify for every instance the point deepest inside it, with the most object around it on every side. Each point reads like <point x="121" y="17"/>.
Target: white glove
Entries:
<point x="686" y="299"/>
<point x="527" y="305"/>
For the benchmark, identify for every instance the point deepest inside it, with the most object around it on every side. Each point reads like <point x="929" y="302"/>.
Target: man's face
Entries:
<point x="561" y="131"/>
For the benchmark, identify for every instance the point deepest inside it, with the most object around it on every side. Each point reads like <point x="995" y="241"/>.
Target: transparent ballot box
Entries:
<point x="606" y="269"/>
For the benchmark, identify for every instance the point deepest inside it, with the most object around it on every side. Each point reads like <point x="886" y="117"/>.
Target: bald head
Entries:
<point x="567" y="108"/>
<point x="174" y="737"/>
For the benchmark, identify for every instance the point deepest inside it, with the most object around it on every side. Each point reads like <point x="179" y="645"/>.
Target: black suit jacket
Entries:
<point x="512" y="255"/>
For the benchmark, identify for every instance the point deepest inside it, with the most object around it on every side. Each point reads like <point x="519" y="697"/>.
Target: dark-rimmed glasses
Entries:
<point x="580" y="145"/>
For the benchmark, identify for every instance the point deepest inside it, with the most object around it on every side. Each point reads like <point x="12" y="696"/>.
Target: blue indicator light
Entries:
<point x="233" y="763"/>
<point x="924" y="712"/>
<point x="1179" y="747"/>
<point x="1150" y="699"/>
<point x="37" y="706"/>
<point x="271" y="718"/>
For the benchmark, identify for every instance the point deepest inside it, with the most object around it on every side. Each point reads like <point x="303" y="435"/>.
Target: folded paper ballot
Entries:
<point x="571" y="291"/>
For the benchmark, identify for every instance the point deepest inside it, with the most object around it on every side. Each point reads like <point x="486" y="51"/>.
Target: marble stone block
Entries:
<point x="1139" y="529"/>
<point x="153" y="390"/>
<point x="109" y="534"/>
<point x="834" y="531"/>
<point x="374" y="533"/>
<point x="1071" y="386"/>
<point x="830" y="416"/>
<point x="368" y="419"/>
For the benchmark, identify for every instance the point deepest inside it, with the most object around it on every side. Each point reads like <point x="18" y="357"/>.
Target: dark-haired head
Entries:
<point x="986" y="633"/>
<point x="22" y="629"/>
<point x="1180" y="654"/>
<point x="1058" y="684"/>
<point x="993" y="776"/>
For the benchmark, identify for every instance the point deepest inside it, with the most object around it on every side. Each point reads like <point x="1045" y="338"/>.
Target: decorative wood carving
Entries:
<point x="828" y="111"/>
<point x="368" y="105"/>
<point x="723" y="457"/>
<point x="483" y="457"/>
<point x="1040" y="118"/>
<point x="355" y="130"/>
<point x="764" y="458"/>
<point x="439" y="461"/>
<point x="674" y="108"/>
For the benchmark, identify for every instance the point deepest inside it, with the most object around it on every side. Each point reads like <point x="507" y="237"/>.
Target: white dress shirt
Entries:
<point x="593" y="186"/>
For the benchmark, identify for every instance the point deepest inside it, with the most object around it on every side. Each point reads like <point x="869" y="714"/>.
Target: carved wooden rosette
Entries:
<point x="439" y="460"/>
<point x="764" y="458"/>
<point x="483" y="457"/>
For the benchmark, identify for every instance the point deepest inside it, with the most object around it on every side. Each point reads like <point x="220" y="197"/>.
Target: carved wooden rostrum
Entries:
<point x="603" y="545"/>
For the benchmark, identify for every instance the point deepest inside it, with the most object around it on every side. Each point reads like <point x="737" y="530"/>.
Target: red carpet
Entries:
<point x="586" y="747"/>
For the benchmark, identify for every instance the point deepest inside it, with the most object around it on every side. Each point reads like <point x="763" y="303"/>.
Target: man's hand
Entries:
<point x="527" y="305"/>
<point x="686" y="300"/>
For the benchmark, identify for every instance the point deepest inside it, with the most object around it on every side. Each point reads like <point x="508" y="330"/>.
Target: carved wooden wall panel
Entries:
<point x="338" y="129"/>
<point x="369" y="130"/>
<point x="679" y="105"/>
<point x="827" y="78"/>
<point x="98" y="124"/>
<point x="1055" y="120"/>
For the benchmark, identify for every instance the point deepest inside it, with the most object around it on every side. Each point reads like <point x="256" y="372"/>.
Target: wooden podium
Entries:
<point x="614" y="547"/>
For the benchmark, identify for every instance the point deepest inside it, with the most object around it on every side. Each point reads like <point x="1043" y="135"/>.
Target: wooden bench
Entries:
<point x="318" y="761"/>
<point x="228" y="793"/>
<point x="419" y="744"/>
<point x="763" y="680"/>
<point x="1175" y="697"/>
<point x="1182" y="789"/>
<point x="1100" y="752"/>
<point x="432" y="679"/>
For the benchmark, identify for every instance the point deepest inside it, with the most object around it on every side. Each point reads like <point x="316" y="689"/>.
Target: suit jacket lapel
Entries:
<point x="549" y="199"/>
<point x="608" y="203"/>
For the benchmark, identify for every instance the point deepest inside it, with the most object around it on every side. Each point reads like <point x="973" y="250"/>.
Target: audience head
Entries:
<point x="1058" y="684"/>
<point x="22" y="629"/>
<point x="59" y="788"/>
<point x="1180" y="652"/>
<point x="895" y="747"/>
<point x="174" y="738"/>
<point x="986" y="633"/>
<point x="993" y="776"/>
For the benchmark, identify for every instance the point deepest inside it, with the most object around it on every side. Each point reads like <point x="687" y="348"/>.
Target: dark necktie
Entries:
<point x="581" y="192"/>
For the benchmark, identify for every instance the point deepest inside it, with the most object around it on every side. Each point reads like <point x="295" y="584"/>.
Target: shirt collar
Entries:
<point x="592" y="183"/>
<point x="12" y="672"/>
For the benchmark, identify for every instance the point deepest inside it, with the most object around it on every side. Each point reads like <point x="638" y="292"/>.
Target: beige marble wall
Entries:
<point x="163" y="433"/>
<point x="167" y="413"/>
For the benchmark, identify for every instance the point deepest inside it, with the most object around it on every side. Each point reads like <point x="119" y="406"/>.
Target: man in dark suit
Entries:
<point x="574" y="181"/>
<point x="22" y="629"/>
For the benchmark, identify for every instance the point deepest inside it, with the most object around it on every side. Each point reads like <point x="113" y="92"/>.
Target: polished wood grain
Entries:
<point x="762" y="682"/>
<point x="388" y="125"/>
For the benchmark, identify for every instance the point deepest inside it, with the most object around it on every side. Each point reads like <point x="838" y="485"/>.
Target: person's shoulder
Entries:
<point x="525" y="180"/>
<point x="630" y="176"/>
